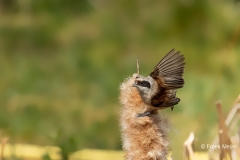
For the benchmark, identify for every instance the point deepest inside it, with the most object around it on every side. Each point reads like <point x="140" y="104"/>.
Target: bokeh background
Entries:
<point x="61" y="64"/>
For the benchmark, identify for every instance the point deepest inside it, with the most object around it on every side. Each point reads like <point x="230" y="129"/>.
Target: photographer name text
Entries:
<point x="218" y="146"/>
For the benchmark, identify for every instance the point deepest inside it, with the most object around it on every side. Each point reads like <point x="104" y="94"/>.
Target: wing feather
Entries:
<point x="170" y="69"/>
<point x="174" y="58"/>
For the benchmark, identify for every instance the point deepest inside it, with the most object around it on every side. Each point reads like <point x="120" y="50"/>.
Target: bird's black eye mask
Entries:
<point x="144" y="84"/>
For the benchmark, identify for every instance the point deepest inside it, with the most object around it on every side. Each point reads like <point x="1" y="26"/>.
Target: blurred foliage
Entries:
<point x="63" y="61"/>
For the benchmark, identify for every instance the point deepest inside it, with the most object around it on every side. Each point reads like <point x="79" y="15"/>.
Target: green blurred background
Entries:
<point x="61" y="64"/>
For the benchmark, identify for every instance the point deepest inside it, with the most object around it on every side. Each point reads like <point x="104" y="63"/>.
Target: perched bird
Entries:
<point x="159" y="88"/>
<point x="144" y="131"/>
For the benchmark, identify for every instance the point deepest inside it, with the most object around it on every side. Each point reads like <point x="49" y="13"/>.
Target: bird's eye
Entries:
<point x="144" y="84"/>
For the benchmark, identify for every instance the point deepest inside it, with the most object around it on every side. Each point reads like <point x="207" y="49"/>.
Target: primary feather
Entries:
<point x="170" y="69"/>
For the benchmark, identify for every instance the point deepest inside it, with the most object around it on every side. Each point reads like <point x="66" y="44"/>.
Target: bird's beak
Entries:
<point x="135" y="85"/>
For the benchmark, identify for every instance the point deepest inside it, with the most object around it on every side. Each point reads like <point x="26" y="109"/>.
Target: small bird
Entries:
<point x="159" y="88"/>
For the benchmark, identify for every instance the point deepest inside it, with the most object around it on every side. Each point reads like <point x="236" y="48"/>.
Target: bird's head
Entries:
<point x="146" y="86"/>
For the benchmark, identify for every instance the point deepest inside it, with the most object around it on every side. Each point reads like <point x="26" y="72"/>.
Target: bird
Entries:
<point x="144" y="131"/>
<point x="159" y="88"/>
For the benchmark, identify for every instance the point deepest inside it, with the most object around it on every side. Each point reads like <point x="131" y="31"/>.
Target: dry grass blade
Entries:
<point x="138" y="67"/>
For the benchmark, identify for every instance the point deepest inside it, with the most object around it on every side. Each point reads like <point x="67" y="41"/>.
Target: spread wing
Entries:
<point x="170" y="69"/>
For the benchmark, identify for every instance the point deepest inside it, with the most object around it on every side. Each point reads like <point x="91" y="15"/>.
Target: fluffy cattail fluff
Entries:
<point x="144" y="138"/>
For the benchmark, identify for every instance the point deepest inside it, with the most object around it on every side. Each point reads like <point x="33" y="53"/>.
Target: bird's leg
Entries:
<point x="147" y="113"/>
